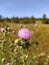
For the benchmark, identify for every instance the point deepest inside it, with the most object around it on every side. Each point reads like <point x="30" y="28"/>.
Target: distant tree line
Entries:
<point x="24" y="20"/>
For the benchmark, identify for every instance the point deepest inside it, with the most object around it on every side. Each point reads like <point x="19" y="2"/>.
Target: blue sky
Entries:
<point x="21" y="8"/>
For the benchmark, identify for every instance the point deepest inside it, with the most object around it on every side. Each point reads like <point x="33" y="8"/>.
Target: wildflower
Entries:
<point x="2" y="29"/>
<point x="24" y="33"/>
<point x="21" y="25"/>
<point x="36" y="24"/>
<point x="17" y="40"/>
<point x="8" y="63"/>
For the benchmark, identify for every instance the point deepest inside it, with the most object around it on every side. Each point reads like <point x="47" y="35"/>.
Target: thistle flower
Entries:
<point x="2" y="29"/>
<point x="21" y="24"/>
<point x="24" y="33"/>
<point x="8" y="63"/>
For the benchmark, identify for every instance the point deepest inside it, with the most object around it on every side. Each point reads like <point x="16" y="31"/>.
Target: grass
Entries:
<point x="40" y="34"/>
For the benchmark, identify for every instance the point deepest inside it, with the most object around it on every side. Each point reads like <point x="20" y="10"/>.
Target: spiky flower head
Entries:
<point x="24" y="33"/>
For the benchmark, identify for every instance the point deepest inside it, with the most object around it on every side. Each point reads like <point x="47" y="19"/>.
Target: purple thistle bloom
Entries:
<point x="8" y="63"/>
<point x="21" y="25"/>
<point x="2" y="29"/>
<point x="24" y="33"/>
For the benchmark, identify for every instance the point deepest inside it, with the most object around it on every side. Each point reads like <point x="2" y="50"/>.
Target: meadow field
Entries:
<point x="40" y="34"/>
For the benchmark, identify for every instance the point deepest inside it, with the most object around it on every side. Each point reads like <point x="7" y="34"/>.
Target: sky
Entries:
<point x="24" y="8"/>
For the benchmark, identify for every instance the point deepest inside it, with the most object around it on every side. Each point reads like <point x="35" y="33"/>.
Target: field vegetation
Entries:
<point x="40" y="38"/>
